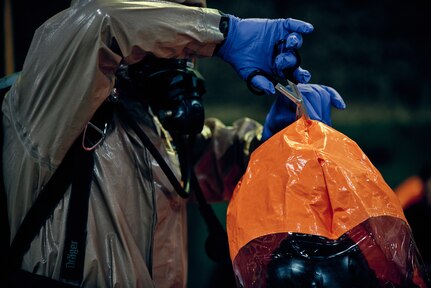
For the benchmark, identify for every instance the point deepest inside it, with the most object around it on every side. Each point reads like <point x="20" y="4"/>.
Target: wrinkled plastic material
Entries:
<point x="137" y="233"/>
<point x="312" y="211"/>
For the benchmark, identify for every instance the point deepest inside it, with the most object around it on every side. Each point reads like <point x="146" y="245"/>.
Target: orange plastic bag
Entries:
<point x="311" y="208"/>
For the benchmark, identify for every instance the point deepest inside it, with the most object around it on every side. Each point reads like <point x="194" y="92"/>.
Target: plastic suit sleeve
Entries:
<point x="223" y="152"/>
<point x="69" y="69"/>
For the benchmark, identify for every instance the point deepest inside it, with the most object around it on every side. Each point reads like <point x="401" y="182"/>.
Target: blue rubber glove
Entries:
<point x="250" y="44"/>
<point x="318" y="100"/>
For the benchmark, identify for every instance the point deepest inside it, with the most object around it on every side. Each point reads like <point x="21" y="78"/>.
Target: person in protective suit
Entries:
<point x="84" y="98"/>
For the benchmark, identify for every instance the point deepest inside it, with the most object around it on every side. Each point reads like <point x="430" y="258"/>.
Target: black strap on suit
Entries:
<point x="76" y="169"/>
<point x="71" y="171"/>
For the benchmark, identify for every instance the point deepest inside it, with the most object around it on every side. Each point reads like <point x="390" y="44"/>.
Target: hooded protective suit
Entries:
<point x="136" y="224"/>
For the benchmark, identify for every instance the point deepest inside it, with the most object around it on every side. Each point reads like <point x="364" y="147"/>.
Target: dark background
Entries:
<point x="374" y="53"/>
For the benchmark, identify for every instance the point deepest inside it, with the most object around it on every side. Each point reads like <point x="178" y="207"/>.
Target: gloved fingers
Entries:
<point x="281" y="114"/>
<point x="262" y="83"/>
<point x="314" y="111"/>
<point x="287" y="58"/>
<point x="317" y="102"/>
<point x="336" y="99"/>
<point x="319" y="99"/>
<point x="326" y="115"/>
<point x="293" y="41"/>
<point x="249" y="47"/>
<point x="302" y="75"/>
<point x="323" y="101"/>
<point x="285" y="61"/>
<point x="295" y="25"/>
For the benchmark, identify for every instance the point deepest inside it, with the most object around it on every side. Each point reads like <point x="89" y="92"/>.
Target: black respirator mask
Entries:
<point x="173" y="90"/>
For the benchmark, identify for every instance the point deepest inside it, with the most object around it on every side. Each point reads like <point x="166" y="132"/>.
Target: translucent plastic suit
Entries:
<point x="137" y="234"/>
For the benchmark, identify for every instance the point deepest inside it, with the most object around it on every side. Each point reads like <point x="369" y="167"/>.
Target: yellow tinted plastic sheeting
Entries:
<point x="308" y="178"/>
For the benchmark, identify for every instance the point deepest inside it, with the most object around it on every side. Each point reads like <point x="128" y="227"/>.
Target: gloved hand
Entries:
<point x="318" y="100"/>
<point x="250" y="45"/>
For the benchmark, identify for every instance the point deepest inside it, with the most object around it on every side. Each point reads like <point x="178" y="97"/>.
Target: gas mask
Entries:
<point x="172" y="89"/>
